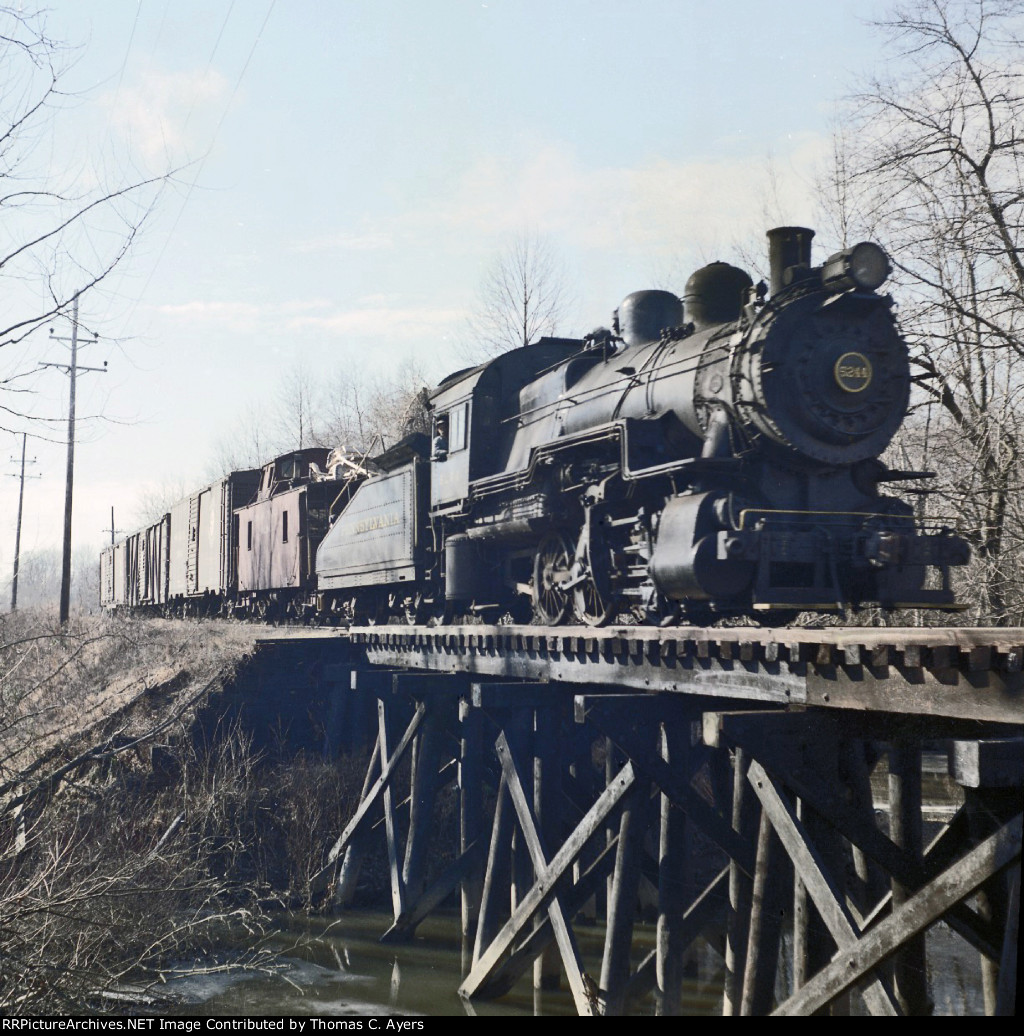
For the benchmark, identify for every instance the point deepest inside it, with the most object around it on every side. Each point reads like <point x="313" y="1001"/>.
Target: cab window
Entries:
<point x="457" y="427"/>
<point x="439" y="444"/>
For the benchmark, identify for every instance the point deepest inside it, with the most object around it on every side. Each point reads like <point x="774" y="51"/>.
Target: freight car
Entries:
<point x="185" y="563"/>
<point x="203" y="564"/>
<point x="715" y="456"/>
<point x="242" y="546"/>
<point x="279" y="531"/>
<point x="134" y="573"/>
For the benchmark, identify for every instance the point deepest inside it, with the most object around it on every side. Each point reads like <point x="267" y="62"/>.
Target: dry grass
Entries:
<point x="101" y="678"/>
<point x="112" y="868"/>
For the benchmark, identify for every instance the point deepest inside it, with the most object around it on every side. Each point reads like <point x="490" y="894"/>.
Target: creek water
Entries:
<point x="341" y="969"/>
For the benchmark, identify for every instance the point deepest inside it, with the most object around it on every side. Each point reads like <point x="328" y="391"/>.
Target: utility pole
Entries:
<point x="72" y="370"/>
<point x="17" y="533"/>
<point x="113" y="531"/>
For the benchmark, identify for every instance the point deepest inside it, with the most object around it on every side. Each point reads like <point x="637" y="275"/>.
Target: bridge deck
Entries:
<point x="968" y="674"/>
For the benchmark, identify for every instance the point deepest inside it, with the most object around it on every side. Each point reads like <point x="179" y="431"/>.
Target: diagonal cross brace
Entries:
<point x="863" y="833"/>
<point x="923" y="909"/>
<point x="847" y="819"/>
<point x="369" y="800"/>
<point x="564" y="936"/>
<point x="405" y="925"/>
<point x="547" y="876"/>
<point x="397" y="885"/>
<point x="683" y="795"/>
<point x="708" y="905"/>
<point x="816" y="879"/>
<point x="524" y="953"/>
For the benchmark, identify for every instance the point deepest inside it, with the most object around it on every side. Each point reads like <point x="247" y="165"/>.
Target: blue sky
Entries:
<point x="355" y="166"/>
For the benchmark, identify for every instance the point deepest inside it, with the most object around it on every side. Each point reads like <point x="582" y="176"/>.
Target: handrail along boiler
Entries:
<point x="711" y="456"/>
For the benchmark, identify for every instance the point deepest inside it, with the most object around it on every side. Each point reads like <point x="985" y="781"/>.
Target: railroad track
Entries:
<point x="973" y="674"/>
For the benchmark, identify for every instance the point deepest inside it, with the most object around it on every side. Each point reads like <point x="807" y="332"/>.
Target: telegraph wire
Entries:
<point x="207" y="153"/>
<point x="127" y="54"/>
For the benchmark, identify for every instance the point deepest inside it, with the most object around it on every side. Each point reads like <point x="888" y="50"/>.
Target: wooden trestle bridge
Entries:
<point x="758" y="789"/>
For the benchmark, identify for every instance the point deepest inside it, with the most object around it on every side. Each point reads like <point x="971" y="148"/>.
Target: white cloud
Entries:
<point x="652" y="221"/>
<point x="393" y="323"/>
<point x="376" y="316"/>
<point x="168" y="116"/>
<point x="645" y="206"/>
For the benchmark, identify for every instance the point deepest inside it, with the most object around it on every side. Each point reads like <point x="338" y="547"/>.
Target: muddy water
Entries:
<point x="341" y="969"/>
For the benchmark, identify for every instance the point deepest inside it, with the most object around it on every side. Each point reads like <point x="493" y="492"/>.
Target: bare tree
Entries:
<point x="367" y="415"/>
<point x="155" y="500"/>
<point x="114" y="873"/>
<point x="297" y="403"/>
<point x="39" y="578"/>
<point x="248" y="444"/>
<point x="65" y="227"/>
<point x="266" y="428"/>
<point x="937" y="173"/>
<point x="522" y="296"/>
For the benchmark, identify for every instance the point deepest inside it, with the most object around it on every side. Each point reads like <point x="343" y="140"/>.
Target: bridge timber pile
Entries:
<point x="762" y="790"/>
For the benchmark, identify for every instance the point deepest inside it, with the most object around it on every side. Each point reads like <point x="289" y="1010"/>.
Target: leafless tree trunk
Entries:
<point x="297" y="403"/>
<point x="39" y="578"/>
<point x="367" y="415"/>
<point x="350" y="409"/>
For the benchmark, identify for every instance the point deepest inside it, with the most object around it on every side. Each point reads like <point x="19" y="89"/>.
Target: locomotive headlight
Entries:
<point x="864" y="266"/>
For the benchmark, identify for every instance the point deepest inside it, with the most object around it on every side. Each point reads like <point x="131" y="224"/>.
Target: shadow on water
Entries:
<point x="340" y="968"/>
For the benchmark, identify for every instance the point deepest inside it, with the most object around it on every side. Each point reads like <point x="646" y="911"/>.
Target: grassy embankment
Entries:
<point x="130" y="848"/>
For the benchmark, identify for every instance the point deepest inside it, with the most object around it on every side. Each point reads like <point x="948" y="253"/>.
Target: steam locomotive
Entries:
<point x="706" y="457"/>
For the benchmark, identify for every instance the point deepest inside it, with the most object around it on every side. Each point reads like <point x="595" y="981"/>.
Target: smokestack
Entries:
<point x="787" y="246"/>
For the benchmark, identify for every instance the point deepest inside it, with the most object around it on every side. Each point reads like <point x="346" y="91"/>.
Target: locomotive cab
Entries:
<point x="477" y="412"/>
<point x="450" y="451"/>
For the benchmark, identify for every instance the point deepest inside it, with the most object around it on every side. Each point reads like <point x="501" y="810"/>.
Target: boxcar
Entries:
<point x="204" y="541"/>
<point x="108" y="584"/>
<point x="134" y="573"/>
<point x="152" y="558"/>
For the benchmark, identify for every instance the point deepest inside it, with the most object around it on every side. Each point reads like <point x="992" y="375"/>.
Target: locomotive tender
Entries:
<point x="709" y="457"/>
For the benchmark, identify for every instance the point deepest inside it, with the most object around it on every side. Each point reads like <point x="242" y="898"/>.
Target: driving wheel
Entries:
<point x="551" y="604"/>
